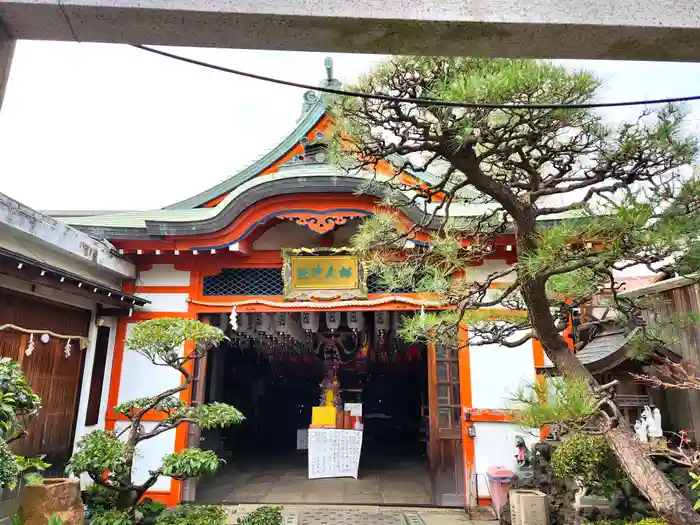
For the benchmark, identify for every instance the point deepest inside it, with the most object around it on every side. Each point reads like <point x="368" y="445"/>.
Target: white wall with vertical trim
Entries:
<point x="163" y="275"/>
<point x="165" y="302"/>
<point x="141" y="378"/>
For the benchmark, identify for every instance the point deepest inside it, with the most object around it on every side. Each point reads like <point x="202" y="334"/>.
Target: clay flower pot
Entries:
<point x="57" y="496"/>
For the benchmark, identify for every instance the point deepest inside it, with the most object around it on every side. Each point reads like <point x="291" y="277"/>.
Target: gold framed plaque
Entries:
<point x="322" y="273"/>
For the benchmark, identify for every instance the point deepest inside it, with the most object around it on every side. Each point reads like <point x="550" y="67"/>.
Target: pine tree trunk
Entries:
<point x="666" y="499"/>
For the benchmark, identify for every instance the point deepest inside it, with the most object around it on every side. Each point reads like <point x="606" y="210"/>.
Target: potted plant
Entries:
<point x="43" y="498"/>
<point x="18" y="404"/>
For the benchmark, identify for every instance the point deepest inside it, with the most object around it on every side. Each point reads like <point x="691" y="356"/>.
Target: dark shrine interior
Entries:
<point x="276" y="392"/>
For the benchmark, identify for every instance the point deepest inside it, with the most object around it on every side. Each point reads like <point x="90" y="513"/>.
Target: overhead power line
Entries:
<point x="416" y="101"/>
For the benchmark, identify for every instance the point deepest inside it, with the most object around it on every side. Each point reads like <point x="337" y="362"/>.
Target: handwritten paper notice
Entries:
<point x="334" y="453"/>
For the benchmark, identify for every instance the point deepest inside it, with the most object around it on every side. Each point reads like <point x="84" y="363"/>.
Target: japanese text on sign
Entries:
<point x="337" y="272"/>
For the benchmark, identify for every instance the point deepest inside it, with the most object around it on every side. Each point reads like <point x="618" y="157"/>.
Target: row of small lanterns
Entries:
<point x="283" y="326"/>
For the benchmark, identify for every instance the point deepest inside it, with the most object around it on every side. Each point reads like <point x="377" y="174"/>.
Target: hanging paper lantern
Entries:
<point x="333" y="320"/>
<point x="356" y="321"/>
<point x="262" y="323"/>
<point x="310" y="321"/>
<point x="282" y="323"/>
<point x="269" y="324"/>
<point x="382" y="321"/>
<point x="242" y="323"/>
<point x="382" y="324"/>
<point x="296" y="331"/>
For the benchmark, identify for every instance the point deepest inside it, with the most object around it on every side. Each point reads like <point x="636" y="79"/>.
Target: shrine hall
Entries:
<point x="338" y="409"/>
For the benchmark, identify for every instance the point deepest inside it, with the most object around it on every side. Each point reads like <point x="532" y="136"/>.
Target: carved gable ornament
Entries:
<point x="323" y="273"/>
<point x="322" y="222"/>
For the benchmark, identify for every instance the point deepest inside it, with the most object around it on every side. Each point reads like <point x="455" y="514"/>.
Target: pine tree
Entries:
<point x="107" y="456"/>
<point x="583" y="199"/>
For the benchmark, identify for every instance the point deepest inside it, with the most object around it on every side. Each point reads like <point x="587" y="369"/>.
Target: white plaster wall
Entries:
<point x="163" y="275"/>
<point x="141" y="378"/>
<point x="149" y="455"/>
<point x="490" y="266"/>
<point x="164" y="302"/>
<point x="498" y="372"/>
<point x="494" y="445"/>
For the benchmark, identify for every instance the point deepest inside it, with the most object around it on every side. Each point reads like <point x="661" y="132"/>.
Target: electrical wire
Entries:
<point x="416" y="101"/>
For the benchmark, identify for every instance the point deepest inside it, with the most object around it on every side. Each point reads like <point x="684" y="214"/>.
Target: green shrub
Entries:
<point x="9" y="468"/>
<point x="652" y="521"/>
<point x="111" y="517"/>
<point x="193" y="515"/>
<point x="151" y="508"/>
<point x="590" y="461"/>
<point x="263" y="516"/>
<point x="17" y="400"/>
<point x="31" y="463"/>
<point x="190" y="463"/>
<point x="100" y="499"/>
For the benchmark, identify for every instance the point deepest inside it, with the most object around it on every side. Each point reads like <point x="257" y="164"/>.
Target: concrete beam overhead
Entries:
<point x="7" y="50"/>
<point x="18" y="222"/>
<point x="621" y="29"/>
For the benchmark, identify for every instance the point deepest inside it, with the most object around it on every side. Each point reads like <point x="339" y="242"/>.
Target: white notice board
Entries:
<point x="355" y="409"/>
<point x="334" y="453"/>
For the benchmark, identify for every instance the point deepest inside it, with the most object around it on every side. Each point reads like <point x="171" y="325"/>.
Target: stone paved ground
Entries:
<point x="285" y="481"/>
<point x="368" y="515"/>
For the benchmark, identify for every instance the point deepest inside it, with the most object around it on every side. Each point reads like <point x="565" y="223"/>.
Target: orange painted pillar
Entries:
<point x="465" y="392"/>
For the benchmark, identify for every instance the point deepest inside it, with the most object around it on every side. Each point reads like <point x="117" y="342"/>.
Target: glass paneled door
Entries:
<point x="445" y="411"/>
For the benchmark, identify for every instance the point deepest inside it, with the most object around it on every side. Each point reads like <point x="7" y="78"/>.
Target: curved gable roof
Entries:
<point x="310" y="178"/>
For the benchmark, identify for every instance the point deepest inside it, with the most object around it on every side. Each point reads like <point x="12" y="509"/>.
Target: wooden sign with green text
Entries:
<point x="322" y="273"/>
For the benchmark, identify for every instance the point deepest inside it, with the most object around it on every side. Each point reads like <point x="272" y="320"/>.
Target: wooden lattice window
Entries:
<point x="448" y="397"/>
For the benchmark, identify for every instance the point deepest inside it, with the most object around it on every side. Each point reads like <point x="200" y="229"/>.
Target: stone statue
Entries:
<point x="641" y="429"/>
<point x="523" y="456"/>
<point x="653" y="422"/>
<point x="657" y="422"/>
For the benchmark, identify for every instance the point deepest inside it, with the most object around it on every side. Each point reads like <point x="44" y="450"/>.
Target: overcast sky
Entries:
<point x="98" y="126"/>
